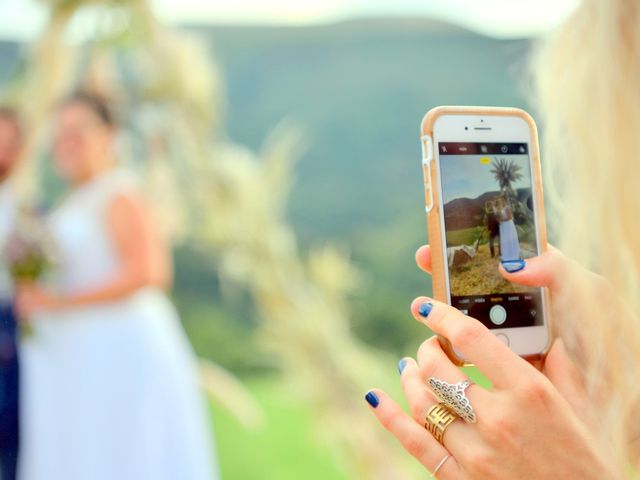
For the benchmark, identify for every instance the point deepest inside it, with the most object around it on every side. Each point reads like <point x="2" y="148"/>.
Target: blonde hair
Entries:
<point x="588" y="84"/>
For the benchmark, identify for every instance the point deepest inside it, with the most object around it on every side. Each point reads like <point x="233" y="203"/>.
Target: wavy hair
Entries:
<point x="587" y="77"/>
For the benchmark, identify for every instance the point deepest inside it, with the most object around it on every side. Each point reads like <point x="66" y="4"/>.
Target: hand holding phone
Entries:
<point x="484" y="205"/>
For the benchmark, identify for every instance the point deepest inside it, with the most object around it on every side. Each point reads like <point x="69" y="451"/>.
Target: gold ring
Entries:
<point x="439" y="417"/>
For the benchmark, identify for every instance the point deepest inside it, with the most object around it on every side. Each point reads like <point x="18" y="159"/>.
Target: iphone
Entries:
<point x="484" y="206"/>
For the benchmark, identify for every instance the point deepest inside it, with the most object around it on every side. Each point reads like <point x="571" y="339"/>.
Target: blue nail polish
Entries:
<point x="401" y="364"/>
<point x="372" y="399"/>
<point x="513" y="266"/>
<point x="425" y="309"/>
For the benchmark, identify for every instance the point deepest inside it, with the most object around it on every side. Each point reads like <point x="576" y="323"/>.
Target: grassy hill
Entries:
<point x="360" y="89"/>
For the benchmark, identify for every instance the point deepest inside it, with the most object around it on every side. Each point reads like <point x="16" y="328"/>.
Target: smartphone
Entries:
<point x="484" y="205"/>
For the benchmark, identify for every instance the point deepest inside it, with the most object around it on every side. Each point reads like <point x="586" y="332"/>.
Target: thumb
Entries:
<point x="546" y="270"/>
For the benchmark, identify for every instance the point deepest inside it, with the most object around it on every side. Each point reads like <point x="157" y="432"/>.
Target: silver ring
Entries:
<point x="454" y="397"/>
<point x="439" y="466"/>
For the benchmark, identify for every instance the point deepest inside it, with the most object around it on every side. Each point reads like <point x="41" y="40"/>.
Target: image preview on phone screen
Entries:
<point x="488" y="216"/>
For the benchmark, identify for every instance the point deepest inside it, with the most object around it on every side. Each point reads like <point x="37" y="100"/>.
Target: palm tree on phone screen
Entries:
<point x="506" y="172"/>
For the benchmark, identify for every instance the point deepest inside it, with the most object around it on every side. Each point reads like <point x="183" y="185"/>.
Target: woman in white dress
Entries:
<point x="509" y="243"/>
<point x="110" y="385"/>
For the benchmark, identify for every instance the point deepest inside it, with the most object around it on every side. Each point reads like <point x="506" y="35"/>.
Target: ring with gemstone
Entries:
<point x="454" y="397"/>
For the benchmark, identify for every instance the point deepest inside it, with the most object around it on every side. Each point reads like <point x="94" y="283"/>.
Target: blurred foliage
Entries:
<point x="228" y="334"/>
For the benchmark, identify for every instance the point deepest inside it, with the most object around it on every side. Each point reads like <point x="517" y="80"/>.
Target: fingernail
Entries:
<point x="372" y="399"/>
<point x="425" y="309"/>
<point x="513" y="266"/>
<point x="401" y="364"/>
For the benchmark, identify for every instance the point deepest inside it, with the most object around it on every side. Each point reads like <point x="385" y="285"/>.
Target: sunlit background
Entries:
<point x="499" y="18"/>
<point x="354" y="78"/>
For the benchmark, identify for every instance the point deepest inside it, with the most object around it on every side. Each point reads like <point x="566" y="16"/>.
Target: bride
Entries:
<point x="509" y="243"/>
<point x="110" y="387"/>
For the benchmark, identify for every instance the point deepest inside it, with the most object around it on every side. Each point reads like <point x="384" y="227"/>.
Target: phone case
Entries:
<point x="432" y="203"/>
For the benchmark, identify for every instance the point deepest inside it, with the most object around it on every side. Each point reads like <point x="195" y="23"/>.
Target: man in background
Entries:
<point x="493" y="226"/>
<point x="10" y="148"/>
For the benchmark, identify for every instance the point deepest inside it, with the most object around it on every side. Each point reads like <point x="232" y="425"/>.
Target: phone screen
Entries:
<point x="489" y="216"/>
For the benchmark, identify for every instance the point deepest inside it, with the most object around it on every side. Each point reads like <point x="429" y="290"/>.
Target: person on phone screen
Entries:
<point x="10" y="146"/>
<point x="573" y="415"/>
<point x="509" y="243"/>
<point x="493" y="226"/>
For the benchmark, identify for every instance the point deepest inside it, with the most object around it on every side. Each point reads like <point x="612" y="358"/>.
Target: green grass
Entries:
<point x="463" y="236"/>
<point x="284" y="449"/>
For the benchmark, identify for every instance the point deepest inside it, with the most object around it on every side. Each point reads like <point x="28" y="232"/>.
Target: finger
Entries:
<point x="418" y="396"/>
<point x="546" y="270"/>
<point x="434" y="363"/>
<point x="417" y="441"/>
<point x="563" y="374"/>
<point x="423" y="258"/>
<point x="476" y="343"/>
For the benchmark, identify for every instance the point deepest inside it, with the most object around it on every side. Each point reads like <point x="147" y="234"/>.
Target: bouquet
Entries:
<point x="28" y="251"/>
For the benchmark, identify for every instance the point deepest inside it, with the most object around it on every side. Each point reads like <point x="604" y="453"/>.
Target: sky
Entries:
<point x="24" y="19"/>
<point x="468" y="176"/>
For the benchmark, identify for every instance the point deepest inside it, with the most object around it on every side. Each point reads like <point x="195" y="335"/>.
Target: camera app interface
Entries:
<point x="489" y="217"/>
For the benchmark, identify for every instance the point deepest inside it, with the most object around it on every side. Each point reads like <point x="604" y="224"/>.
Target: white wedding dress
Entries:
<point x="110" y="391"/>
<point x="509" y="243"/>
